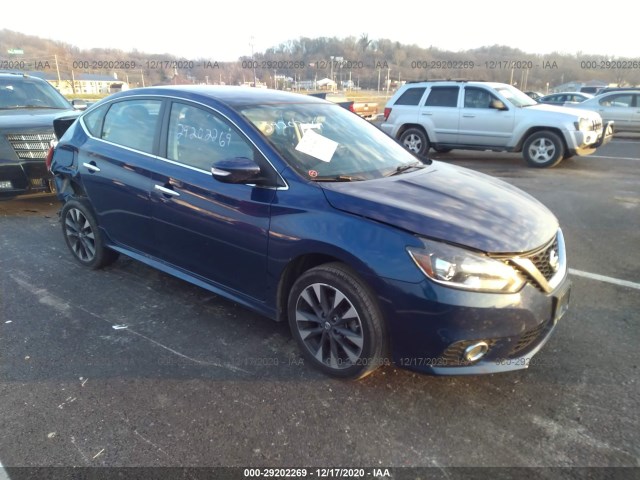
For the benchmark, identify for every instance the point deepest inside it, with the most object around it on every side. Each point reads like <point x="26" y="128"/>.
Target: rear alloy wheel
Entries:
<point x="336" y="323"/>
<point x="543" y="150"/>
<point x="416" y="141"/>
<point x="83" y="237"/>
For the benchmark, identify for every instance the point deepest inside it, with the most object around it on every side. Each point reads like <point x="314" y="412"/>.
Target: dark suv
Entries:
<point x="28" y="106"/>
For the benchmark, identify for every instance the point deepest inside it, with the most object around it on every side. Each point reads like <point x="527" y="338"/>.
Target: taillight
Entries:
<point x="49" y="157"/>
<point x="387" y="112"/>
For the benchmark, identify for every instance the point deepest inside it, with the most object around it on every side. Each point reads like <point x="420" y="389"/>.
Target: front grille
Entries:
<point x="542" y="260"/>
<point x="30" y="146"/>
<point x="542" y="266"/>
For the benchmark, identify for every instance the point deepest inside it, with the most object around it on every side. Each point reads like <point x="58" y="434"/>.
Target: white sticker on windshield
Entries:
<point x="317" y="146"/>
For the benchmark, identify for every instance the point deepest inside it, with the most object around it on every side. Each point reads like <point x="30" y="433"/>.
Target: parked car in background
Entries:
<point x="618" y="89"/>
<point x="534" y="95"/>
<point x="368" y="110"/>
<point x="565" y="98"/>
<point x="620" y="107"/>
<point x="28" y="106"/>
<point x="591" y="90"/>
<point x="306" y="213"/>
<point x="489" y="116"/>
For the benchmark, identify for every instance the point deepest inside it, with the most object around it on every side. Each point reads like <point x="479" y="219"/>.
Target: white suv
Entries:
<point x="490" y="116"/>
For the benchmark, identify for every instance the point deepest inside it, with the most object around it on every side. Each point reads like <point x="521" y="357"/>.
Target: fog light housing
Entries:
<point x="5" y="185"/>
<point x="475" y="351"/>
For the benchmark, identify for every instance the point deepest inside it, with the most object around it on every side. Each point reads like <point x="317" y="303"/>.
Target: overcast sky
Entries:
<point x="222" y="30"/>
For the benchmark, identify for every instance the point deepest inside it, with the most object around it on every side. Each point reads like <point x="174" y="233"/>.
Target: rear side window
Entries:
<point x="443" y="97"/>
<point x="411" y="97"/>
<point x="93" y="120"/>
<point x="132" y="123"/>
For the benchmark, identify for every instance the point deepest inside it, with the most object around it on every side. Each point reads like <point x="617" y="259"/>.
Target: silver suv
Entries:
<point x="490" y="116"/>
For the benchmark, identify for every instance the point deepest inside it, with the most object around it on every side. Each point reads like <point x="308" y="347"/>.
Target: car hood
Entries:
<point x="30" y="118"/>
<point x="573" y="110"/>
<point x="452" y="204"/>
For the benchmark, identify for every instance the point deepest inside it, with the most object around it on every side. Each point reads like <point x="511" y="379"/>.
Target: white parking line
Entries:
<point x="602" y="278"/>
<point x="3" y="473"/>
<point x="613" y="158"/>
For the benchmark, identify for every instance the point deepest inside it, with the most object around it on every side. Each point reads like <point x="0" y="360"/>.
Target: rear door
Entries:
<point x="440" y="109"/>
<point x="214" y="230"/>
<point x="114" y="166"/>
<point x="482" y="125"/>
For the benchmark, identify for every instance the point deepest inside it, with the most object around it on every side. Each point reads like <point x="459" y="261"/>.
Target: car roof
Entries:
<point x="233" y="96"/>
<point x="10" y="74"/>
<point x="611" y="92"/>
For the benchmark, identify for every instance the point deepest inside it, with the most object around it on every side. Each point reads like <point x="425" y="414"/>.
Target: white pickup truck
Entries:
<point x="490" y="116"/>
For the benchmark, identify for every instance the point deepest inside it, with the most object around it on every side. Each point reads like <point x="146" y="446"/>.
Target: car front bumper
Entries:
<point x="586" y="143"/>
<point x="435" y="325"/>
<point x="23" y="178"/>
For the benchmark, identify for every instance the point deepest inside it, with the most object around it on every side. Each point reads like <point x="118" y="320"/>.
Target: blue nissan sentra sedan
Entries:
<point x="302" y="211"/>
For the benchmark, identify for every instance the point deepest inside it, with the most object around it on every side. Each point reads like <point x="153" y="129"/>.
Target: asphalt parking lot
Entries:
<point x="131" y="367"/>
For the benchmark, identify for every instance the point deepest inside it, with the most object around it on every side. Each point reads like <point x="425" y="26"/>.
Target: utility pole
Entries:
<point x="55" y="56"/>
<point x="253" y="64"/>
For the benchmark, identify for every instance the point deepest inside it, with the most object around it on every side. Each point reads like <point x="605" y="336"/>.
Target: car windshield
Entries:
<point x="517" y="97"/>
<point x="325" y="142"/>
<point x="24" y="93"/>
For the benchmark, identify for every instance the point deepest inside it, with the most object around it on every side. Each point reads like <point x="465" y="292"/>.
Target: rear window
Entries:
<point x="411" y="97"/>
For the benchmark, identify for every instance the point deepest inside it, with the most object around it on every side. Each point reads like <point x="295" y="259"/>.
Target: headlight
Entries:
<point x="459" y="268"/>
<point x="584" y="125"/>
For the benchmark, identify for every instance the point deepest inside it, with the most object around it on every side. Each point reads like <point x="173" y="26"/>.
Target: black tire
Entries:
<point x="83" y="237"/>
<point x="416" y="141"/>
<point x="336" y="322"/>
<point x="543" y="149"/>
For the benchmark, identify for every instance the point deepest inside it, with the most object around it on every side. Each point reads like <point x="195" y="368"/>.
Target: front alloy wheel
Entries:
<point x="336" y="323"/>
<point x="543" y="150"/>
<point x="329" y="326"/>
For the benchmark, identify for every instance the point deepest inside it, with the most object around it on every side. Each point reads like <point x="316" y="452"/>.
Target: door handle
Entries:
<point x="468" y="116"/>
<point x="91" y="167"/>
<point x="427" y="113"/>
<point x="166" y="191"/>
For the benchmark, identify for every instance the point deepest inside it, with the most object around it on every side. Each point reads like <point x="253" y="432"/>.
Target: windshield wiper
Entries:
<point x="338" y="178"/>
<point x="404" y="168"/>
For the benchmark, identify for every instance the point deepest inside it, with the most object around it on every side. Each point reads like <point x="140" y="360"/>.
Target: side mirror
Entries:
<point x="236" y="170"/>
<point x="497" y="104"/>
<point x="79" y="104"/>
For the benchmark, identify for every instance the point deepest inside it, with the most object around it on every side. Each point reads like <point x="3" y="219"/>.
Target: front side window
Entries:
<point x="477" y="98"/>
<point x="623" y="100"/>
<point x="443" y="97"/>
<point x="198" y="138"/>
<point x="132" y="123"/>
